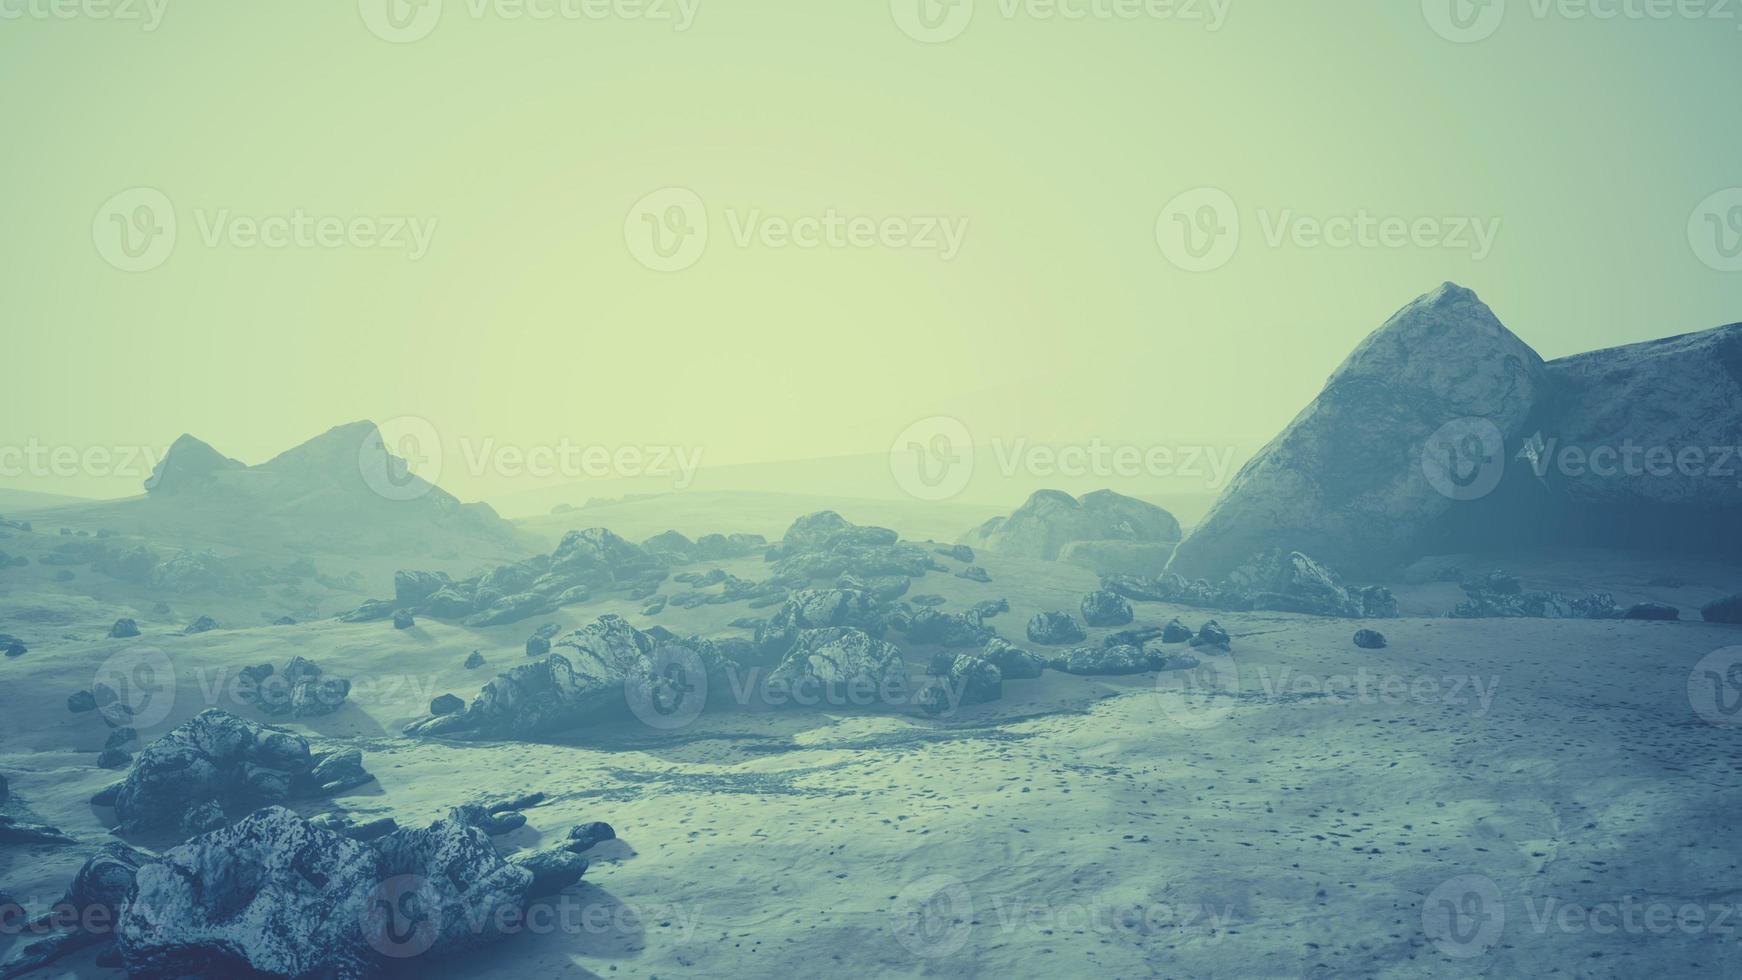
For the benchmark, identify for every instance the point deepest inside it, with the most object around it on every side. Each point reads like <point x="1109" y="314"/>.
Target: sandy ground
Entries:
<point x="1288" y="811"/>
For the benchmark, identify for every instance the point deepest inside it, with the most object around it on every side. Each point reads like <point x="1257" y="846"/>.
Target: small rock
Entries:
<point x="82" y="702"/>
<point x="205" y="624"/>
<point x="1213" y="635"/>
<point x="1054" y="629"/>
<point x="553" y="869"/>
<point x="1653" y="611"/>
<point x="447" y="704"/>
<point x="1370" y="639"/>
<point x="402" y="620"/>
<point x="16" y="649"/>
<point x="1103" y="608"/>
<point x="475" y="661"/>
<point x="123" y="629"/>
<point x="588" y="834"/>
<point x="1176" y="632"/>
<point x="974" y="573"/>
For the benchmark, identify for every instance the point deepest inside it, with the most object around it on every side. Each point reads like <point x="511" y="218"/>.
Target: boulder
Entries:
<point x="204" y="624"/>
<point x="839" y="657"/>
<point x="402" y="620"/>
<point x="553" y="869"/>
<point x="1054" y="629"/>
<point x="1725" y="610"/>
<point x="1213" y="636"/>
<point x="1176" y="632"/>
<point x="809" y="609"/>
<point x="218" y="758"/>
<point x="1370" y="639"/>
<point x="963" y="679"/>
<point x="1114" y="661"/>
<point x="124" y="628"/>
<point x="1103" y="608"/>
<point x="959" y="552"/>
<point x="1346" y="481"/>
<point x="413" y="588"/>
<point x="1050" y="520"/>
<point x="1653" y="611"/>
<point x="474" y="660"/>
<point x="446" y="704"/>
<point x="510" y="609"/>
<point x="584" y="836"/>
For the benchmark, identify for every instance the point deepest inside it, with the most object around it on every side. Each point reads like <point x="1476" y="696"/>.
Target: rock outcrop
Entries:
<point x="1051" y="520"/>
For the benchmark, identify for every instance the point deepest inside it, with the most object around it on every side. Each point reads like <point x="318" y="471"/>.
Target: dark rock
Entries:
<point x="1054" y="629"/>
<point x="474" y="660"/>
<point x="13" y="648"/>
<point x="654" y="607"/>
<point x="1212" y="635"/>
<point x="1115" y="661"/>
<point x="671" y="546"/>
<point x="13" y="831"/>
<point x="839" y="657"/>
<point x="1103" y="608"/>
<point x="964" y="679"/>
<point x="1370" y="639"/>
<point x="204" y="624"/>
<point x="81" y="702"/>
<point x="1013" y="662"/>
<point x="819" y="609"/>
<point x="412" y="588"/>
<point x="446" y="704"/>
<point x="1725" y="610"/>
<point x="974" y="573"/>
<point x="584" y="836"/>
<point x="538" y="644"/>
<point x="959" y="552"/>
<point x="1653" y="611"/>
<point x="451" y="602"/>
<point x="987" y="608"/>
<point x="553" y="869"/>
<point x="284" y="621"/>
<point x="114" y="758"/>
<point x="1176" y="632"/>
<point x="403" y="620"/>
<point x="371" y="611"/>
<point x="123" y="629"/>
<point x="928" y="600"/>
<point x="1134" y="637"/>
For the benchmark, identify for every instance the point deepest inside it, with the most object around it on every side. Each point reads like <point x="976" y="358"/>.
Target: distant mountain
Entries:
<point x="342" y="492"/>
<point x="1444" y="431"/>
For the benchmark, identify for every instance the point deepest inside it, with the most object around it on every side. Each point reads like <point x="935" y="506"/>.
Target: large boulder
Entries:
<point x="809" y="609"/>
<point x="837" y="659"/>
<point x="1347" y="481"/>
<point x="1051" y="520"/>
<point x="217" y="758"/>
<point x="277" y="896"/>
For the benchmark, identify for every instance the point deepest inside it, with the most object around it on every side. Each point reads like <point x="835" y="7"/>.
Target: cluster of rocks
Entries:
<point x="1500" y="595"/>
<point x="277" y="895"/>
<point x="585" y="563"/>
<point x="1274" y="581"/>
<point x="300" y="690"/>
<point x="217" y="764"/>
<point x="826" y="545"/>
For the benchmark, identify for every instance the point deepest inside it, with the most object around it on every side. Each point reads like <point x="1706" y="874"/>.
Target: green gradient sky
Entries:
<point x="1059" y="141"/>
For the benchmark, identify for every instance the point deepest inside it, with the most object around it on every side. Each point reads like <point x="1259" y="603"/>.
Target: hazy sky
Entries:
<point x="464" y="229"/>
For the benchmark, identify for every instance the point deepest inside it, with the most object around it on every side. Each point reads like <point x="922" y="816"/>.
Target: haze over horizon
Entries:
<point x="499" y="295"/>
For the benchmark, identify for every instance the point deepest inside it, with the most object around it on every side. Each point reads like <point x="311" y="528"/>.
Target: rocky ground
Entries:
<point x="1297" y="806"/>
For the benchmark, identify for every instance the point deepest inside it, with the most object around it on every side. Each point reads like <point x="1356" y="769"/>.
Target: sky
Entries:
<point x="763" y="231"/>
